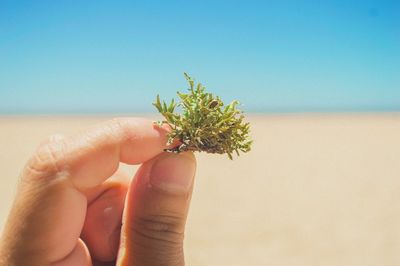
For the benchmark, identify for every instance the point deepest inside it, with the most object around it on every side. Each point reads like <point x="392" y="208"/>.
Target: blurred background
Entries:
<point x="115" y="56"/>
<point x="319" y="81"/>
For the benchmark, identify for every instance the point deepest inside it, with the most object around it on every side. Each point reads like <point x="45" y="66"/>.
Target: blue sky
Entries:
<point x="115" y="56"/>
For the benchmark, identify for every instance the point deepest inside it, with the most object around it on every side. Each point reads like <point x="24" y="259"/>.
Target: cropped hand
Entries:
<point x="74" y="208"/>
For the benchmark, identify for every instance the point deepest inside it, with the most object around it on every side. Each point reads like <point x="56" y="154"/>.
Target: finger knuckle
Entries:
<point x="49" y="156"/>
<point x="160" y="229"/>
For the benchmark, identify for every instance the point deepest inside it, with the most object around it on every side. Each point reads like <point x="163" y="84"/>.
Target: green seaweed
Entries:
<point x="204" y="123"/>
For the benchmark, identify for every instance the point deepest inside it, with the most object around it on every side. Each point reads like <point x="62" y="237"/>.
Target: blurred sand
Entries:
<point x="315" y="190"/>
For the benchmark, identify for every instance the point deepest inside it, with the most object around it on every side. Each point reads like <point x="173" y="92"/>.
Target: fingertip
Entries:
<point x="141" y="135"/>
<point x="173" y="173"/>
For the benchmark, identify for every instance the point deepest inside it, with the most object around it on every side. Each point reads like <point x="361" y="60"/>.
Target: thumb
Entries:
<point x="156" y="210"/>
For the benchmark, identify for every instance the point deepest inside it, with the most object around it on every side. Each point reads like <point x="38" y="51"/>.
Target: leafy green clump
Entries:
<point x="205" y="123"/>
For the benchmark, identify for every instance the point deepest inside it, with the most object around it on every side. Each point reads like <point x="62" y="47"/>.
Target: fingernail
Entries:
<point x="173" y="173"/>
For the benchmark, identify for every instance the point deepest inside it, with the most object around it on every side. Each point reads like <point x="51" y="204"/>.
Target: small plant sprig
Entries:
<point x="205" y="123"/>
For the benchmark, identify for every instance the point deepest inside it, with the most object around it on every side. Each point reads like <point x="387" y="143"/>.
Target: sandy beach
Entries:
<point x="317" y="189"/>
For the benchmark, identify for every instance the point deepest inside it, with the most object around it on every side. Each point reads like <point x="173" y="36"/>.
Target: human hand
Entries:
<point x="67" y="204"/>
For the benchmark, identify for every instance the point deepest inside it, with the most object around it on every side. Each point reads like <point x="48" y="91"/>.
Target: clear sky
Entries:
<point x="115" y="56"/>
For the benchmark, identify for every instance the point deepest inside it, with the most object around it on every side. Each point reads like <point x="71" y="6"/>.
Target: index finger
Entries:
<point x="91" y="157"/>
